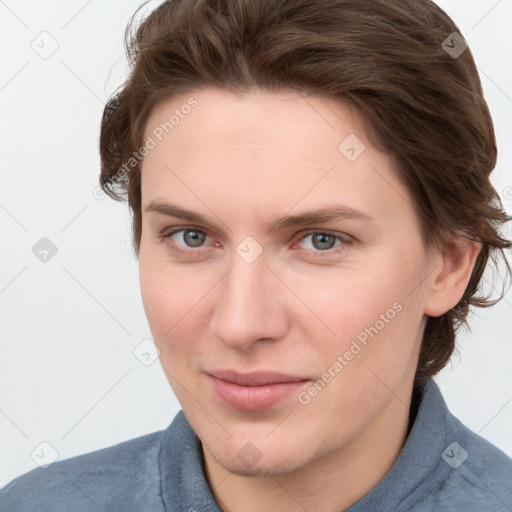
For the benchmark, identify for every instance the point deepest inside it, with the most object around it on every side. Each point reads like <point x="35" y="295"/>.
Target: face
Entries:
<point x="282" y="273"/>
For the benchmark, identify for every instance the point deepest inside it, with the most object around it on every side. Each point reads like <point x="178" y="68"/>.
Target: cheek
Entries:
<point x="161" y="296"/>
<point x="164" y="307"/>
<point x="345" y="301"/>
<point x="372" y="315"/>
<point x="173" y="299"/>
<point x="156" y="298"/>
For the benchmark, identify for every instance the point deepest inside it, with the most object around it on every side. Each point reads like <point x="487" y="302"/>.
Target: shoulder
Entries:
<point x="479" y="475"/>
<point x="125" y="477"/>
<point x="444" y="466"/>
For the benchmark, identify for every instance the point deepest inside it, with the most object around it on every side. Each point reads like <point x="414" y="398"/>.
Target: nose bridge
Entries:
<point x="244" y="309"/>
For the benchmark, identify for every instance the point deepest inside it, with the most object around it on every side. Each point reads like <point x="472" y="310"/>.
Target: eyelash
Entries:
<point x="319" y="254"/>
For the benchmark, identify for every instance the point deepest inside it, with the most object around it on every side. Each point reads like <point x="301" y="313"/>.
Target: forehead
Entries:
<point x="255" y="119"/>
<point x="265" y="148"/>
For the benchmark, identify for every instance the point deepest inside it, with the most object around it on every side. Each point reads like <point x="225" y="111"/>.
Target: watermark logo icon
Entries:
<point x="454" y="455"/>
<point x="249" y="454"/>
<point x="98" y="193"/>
<point x="44" y="454"/>
<point x="249" y="249"/>
<point x="44" y="250"/>
<point x="45" y="45"/>
<point x="146" y="352"/>
<point x="454" y="45"/>
<point x="351" y="147"/>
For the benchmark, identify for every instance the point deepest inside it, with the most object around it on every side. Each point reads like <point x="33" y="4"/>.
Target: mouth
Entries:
<point x="254" y="391"/>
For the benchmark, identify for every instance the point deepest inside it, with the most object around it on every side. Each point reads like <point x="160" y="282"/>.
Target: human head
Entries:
<point x="386" y="59"/>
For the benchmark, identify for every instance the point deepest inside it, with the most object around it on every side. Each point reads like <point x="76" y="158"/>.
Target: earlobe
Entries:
<point x="452" y="275"/>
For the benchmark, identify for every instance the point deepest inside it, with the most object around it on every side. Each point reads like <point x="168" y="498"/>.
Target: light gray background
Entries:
<point x="69" y="326"/>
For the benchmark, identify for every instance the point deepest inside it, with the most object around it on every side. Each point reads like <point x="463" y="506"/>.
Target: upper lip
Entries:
<point x="254" y="378"/>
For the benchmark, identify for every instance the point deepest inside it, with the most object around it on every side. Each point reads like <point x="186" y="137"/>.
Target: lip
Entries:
<point x="254" y="391"/>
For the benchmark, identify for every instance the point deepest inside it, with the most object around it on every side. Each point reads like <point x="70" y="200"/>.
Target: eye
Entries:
<point x="183" y="238"/>
<point x="323" y="242"/>
<point x="190" y="241"/>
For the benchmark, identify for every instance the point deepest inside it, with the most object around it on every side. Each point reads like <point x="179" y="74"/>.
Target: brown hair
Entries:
<point x="424" y="106"/>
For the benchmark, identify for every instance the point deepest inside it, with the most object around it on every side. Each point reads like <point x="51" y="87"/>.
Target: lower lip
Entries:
<point x="254" y="398"/>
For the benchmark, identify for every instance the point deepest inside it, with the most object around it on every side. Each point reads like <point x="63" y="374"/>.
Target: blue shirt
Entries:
<point x="443" y="466"/>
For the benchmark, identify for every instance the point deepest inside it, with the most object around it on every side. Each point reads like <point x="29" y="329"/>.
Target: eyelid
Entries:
<point x="342" y="236"/>
<point x="167" y="233"/>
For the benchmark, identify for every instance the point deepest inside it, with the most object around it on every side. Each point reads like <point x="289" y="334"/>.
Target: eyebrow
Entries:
<point x="325" y="214"/>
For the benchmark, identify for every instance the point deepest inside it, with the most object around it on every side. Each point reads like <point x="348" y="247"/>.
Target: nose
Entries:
<point x="249" y="305"/>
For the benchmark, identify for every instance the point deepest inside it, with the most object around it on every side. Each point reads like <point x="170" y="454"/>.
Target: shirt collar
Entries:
<point x="419" y="463"/>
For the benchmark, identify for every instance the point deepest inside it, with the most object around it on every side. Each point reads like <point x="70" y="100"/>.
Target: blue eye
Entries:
<point x="321" y="241"/>
<point x="192" y="238"/>
<point x="322" y="244"/>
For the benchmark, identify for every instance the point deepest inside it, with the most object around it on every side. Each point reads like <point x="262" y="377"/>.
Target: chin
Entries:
<point x="268" y="462"/>
<point x="269" y="468"/>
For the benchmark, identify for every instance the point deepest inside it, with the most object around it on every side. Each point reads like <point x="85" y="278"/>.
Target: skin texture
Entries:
<point x="243" y="162"/>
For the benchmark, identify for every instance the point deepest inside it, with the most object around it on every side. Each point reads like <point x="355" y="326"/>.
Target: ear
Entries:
<point x="452" y="273"/>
